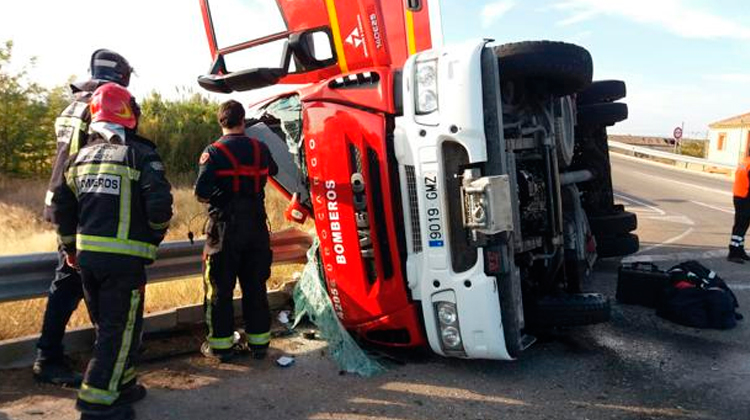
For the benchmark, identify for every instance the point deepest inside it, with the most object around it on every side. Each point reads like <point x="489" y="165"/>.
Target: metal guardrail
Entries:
<point x="28" y="276"/>
<point x="638" y="150"/>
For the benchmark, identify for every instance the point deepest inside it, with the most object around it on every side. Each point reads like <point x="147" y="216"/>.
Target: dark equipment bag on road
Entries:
<point x="698" y="297"/>
<point x="641" y="283"/>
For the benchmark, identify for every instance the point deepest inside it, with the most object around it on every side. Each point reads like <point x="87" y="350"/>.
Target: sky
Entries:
<point x="684" y="61"/>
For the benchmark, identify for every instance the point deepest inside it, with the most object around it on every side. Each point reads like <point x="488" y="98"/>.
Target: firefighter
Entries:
<point x="741" y="194"/>
<point x="232" y="175"/>
<point x="111" y="211"/>
<point x="65" y="293"/>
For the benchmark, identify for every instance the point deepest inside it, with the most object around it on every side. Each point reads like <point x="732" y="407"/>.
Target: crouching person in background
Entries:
<point x="232" y="176"/>
<point x="111" y="210"/>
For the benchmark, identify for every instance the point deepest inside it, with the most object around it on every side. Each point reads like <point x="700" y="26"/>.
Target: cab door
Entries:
<point x="258" y="43"/>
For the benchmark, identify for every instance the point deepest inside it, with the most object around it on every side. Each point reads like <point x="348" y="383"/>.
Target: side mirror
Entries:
<point x="313" y="49"/>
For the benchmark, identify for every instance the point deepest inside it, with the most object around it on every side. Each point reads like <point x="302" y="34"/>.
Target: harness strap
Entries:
<point x="256" y="162"/>
<point x="255" y="170"/>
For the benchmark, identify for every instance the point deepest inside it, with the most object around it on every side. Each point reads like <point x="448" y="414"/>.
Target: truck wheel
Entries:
<point x="564" y="68"/>
<point x="598" y="115"/>
<point x="570" y="310"/>
<point x="616" y="246"/>
<point x="565" y="138"/>
<point x="613" y="224"/>
<point x="602" y="91"/>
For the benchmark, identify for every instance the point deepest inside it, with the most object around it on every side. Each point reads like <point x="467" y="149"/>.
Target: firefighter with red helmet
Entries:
<point x="232" y="176"/>
<point x="741" y="193"/>
<point x="65" y="293"/>
<point x="111" y="211"/>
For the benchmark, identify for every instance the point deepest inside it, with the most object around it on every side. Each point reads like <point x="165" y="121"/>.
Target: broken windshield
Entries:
<point x="278" y="124"/>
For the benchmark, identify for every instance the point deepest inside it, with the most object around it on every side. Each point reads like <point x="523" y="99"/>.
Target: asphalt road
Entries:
<point x="638" y="366"/>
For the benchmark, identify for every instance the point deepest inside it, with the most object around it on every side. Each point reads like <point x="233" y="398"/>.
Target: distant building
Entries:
<point x="729" y="139"/>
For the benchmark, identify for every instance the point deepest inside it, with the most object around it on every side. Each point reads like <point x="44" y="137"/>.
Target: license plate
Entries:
<point x="434" y="216"/>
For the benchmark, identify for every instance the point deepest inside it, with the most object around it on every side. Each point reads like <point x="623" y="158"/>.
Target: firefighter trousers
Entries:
<point x="113" y="288"/>
<point x="245" y="255"/>
<point x="741" y="222"/>
<point x="65" y="294"/>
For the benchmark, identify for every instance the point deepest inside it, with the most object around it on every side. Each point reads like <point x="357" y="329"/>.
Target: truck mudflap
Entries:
<point x="355" y="216"/>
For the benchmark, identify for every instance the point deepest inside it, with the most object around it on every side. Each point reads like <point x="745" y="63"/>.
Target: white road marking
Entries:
<point x="677" y="256"/>
<point x="640" y="203"/>
<point x="687" y="184"/>
<point x="668" y="241"/>
<point x="680" y="219"/>
<point x="739" y="286"/>
<point x="721" y="209"/>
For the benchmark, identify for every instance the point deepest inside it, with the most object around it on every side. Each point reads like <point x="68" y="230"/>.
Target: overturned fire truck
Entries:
<point x="461" y="195"/>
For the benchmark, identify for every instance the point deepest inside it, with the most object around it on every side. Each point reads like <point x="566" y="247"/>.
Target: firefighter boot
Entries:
<point x="737" y="255"/>
<point x="222" y="356"/>
<point x="56" y="372"/>
<point x="259" y="352"/>
<point x="115" y="412"/>
<point x="131" y="393"/>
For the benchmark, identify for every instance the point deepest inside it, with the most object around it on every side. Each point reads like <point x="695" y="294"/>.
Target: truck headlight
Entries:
<point x="426" y="87"/>
<point x="447" y="313"/>
<point x="451" y="337"/>
<point x="450" y="330"/>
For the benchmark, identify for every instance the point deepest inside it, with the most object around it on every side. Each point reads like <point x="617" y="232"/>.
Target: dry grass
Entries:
<point x="21" y="225"/>
<point x="24" y="231"/>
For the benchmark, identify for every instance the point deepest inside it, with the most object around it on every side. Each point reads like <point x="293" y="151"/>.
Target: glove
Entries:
<point x="72" y="260"/>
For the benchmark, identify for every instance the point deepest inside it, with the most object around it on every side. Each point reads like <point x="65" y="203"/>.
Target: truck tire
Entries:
<point x="602" y="91"/>
<point x="613" y="224"/>
<point x="617" y="245"/>
<point x="570" y="310"/>
<point x="602" y="115"/>
<point x="563" y="68"/>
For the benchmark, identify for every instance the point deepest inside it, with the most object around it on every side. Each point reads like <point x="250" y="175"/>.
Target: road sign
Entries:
<point x="677" y="133"/>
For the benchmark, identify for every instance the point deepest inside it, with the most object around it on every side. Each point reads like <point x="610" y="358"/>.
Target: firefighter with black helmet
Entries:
<point x="111" y="212"/>
<point x="232" y="176"/>
<point x="65" y="293"/>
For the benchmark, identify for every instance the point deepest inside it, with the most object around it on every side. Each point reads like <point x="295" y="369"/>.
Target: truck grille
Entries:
<point x="463" y="252"/>
<point x="416" y="230"/>
<point x="376" y="191"/>
<point x="358" y="80"/>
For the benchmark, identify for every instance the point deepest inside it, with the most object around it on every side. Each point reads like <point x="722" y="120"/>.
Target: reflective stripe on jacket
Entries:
<point x="71" y="129"/>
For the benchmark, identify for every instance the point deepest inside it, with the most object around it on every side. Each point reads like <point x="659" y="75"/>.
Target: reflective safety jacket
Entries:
<point x="71" y="130"/>
<point x="234" y="168"/>
<point x="115" y="198"/>
<point x="742" y="179"/>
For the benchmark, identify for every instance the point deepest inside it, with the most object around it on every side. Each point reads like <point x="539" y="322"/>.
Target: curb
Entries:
<point x="21" y="352"/>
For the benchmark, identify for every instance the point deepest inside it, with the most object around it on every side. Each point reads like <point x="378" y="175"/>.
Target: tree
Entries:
<point x="181" y="128"/>
<point x="27" y="113"/>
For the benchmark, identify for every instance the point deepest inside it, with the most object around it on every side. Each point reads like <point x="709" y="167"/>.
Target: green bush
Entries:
<point x="27" y="115"/>
<point x="694" y="148"/>
<point x="180" y="128"/>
